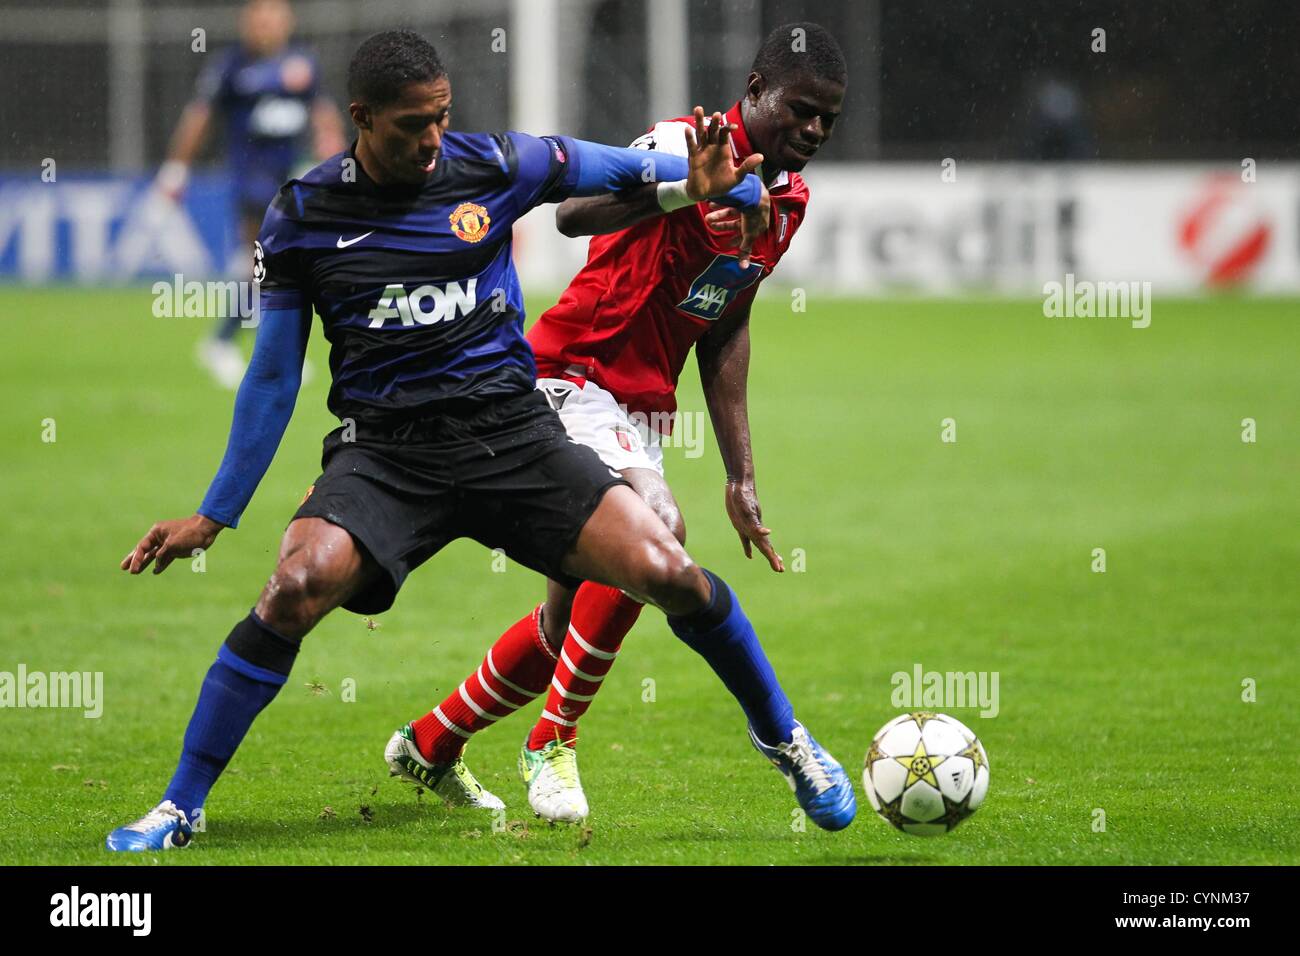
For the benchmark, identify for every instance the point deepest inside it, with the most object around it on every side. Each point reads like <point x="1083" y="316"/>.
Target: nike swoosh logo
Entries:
<point x="342" y="244"/>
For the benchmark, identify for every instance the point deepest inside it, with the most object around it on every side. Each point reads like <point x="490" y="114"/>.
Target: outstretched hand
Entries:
<point x="747" y="518"/>
<point x="713" y="171"/>
<point x="168" y="540"/>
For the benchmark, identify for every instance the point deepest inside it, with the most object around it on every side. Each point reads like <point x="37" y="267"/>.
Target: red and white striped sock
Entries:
<point x="517" y="669"/>
<point x="601" y="618"/>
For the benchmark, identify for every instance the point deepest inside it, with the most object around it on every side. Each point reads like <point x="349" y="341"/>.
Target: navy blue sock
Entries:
<point x="723" y="636"/>
<point x="249" y="671"/>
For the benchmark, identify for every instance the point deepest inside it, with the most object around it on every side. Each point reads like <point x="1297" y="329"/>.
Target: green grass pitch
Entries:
<point x="1120" y="691"/>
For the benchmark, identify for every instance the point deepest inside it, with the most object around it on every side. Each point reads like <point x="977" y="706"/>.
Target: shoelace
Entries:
<point x="801" y="754"/>
<point x="467" y="779"/>
<point x="163" y="813"/>
<point x="563" y="762"/>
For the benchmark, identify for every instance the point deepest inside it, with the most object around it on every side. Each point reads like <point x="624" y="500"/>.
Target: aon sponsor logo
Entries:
<point x="426" y="305"/>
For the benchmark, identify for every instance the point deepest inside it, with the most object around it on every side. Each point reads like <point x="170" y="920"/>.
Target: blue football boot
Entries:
<point x="820" y="784"/>
<point x="162" y="828"/>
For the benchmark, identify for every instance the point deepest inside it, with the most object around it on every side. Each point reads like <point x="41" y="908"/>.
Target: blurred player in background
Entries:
<point x="267" y="93"/>
<point x="662" y="274"/>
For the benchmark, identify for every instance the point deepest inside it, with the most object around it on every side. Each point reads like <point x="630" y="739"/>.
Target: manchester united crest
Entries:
<point x="470" y="221"/>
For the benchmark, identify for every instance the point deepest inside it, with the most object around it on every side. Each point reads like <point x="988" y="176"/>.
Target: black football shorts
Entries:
<point x="505" y="474"/>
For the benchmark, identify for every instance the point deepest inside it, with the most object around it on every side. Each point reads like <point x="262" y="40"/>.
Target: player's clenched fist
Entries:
<point x="168" y="540"/>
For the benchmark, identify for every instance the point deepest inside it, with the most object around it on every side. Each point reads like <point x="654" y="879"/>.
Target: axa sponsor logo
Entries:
<point x="424" y="305"/>
<point x="706" y="300"/>
<point x="713" y="289"/>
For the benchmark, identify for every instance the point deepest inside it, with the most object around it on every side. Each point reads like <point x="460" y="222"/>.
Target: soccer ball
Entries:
<point x="925" y="773"/>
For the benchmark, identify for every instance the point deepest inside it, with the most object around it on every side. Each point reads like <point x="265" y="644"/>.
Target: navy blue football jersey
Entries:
<point x="415" y="285"/>
<point x="266" y="103"/>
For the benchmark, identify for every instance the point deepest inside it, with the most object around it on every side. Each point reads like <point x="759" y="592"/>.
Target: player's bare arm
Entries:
<point x="186" y="143"/>
<point x="601" y="215"/>
<point x="191" y="132"/>
<point x="723" y="356"/>
<point x="713" y="172"/>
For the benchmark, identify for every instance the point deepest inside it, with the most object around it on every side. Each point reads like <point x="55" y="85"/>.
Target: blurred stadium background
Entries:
<point x="1116" y="165"/>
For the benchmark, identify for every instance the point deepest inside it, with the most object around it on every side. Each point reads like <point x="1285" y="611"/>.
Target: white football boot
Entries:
<point x="452" y="782"/>
<point x="551" y="775"/>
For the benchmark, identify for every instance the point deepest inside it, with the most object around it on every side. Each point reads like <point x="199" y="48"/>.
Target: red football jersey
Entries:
<point x="628" y="320"/>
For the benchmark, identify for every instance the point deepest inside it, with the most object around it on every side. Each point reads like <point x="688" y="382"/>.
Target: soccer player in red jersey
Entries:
<point x="663" y="274"/>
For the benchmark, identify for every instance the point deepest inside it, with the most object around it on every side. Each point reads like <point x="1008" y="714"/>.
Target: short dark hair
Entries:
<point x="788" y="53"/>
<point x="387" y="62"/>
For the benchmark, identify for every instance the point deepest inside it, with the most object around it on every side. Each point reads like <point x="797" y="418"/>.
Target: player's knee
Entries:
<point x="671" y="516"/>
<point x="669" y="577"/>
<point x="296" y="596"/>
<point x="282" y="603"/>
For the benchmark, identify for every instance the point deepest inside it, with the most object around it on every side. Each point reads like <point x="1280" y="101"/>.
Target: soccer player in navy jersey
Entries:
<point x="266" y="93"/>
<point x="401" y="245"/>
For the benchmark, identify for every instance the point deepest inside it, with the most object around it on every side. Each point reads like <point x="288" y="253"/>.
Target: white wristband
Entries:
<point x="673" y="196"/>
<point x="173" y="175"/>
